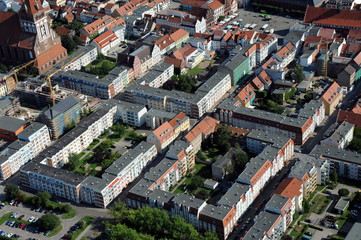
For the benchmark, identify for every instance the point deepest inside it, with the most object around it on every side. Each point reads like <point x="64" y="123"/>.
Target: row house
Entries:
<point x="331" y="98"/>
<point x="97" y="27"/>
<point x="341" y="137"/>
<point x="246" y="96"/>
<point x="165" y="134"/>
<point x="128" y="8"/>
<point x="140" y="60"/>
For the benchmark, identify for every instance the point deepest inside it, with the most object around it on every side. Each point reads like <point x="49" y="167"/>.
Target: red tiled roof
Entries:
<point x="350" y="117"/>
<point x="105" y="39"/>
<point x="214" y="5"/>
<point x="326" y="33"/>
<point x="331" y="94"/>
<point x="205" y="127"/>
<point x="357" y="59"/>
<point x="176" y="62"/>
<point x="62" y="31"/>
<point x="164" y="132"/>
<point x="289" y="187"/>
<point x="33" y="6"/>
<point x="49" y="55"/>
<point x="246" y="94"/>
<point x="179" y="34"/>
<point x="334" y="17"/>
<point x="257" y="83"/>
<point x="175" y="121"/>
<point x="164" y="42"/>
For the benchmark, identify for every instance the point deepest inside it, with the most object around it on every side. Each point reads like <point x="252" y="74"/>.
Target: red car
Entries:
<point x="21" y="217"/>
<point x="22" y="226"/>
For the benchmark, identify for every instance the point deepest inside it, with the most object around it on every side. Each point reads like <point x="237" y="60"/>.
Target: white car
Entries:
<point x="14" y="215"/>
<point x="12" y="202"/>
<point x="35" y="220"/>
<point x="31" y="219"/>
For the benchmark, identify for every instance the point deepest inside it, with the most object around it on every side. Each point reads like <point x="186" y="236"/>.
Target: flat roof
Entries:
<point x="268" y="137"/>
<point x="342" y="203"/>
<point x="233" y="195"/>
<point x="336" y="154"/>
<point x="30" y="130"/>
<point x="355" y="232"/>
<point x="11" y="124"/>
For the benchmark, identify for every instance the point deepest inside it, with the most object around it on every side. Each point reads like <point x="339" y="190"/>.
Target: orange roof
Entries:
<point x="257" y="83"/>
<point x="176" y="62"/>
<point x="227" y="36"/>
<point x="246" y="94"/>
<point x="328" y="16"/>
<point x="214" y="5"/>
<point x="179" y="34"/>
<point x="164" y="41"/>
<point x="285" y="50"/>
<point x="235" y="131"/>
<point x="164" y="132"/>
<point x="49" y="55"/>
<point x="98" y="24"/>
<point x="33" y="6"/>
<point x="105" y="39"/>
<point x="289" y="187"/>
<point x="357" y="59"/>
<point x="175" y="121"/>
<point x="349" y="116"/>
<point x="332" y="93"/>
<point x="265" y="77"/>
<point x="205" y="127"/>
<point x="326" y="33"/>
<point x="194" y="3"/>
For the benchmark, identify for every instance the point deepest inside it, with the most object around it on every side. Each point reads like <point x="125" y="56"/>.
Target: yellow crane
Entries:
<point x="48" y="77"/>
<point x="15" y="70"/>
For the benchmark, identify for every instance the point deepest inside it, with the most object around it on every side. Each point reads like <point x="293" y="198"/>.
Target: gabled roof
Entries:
<point x="179" y="34"/>
<point x="246" y="94"/>
<point x="328" y="16"/>
<point x="105" y="39"/>
<point x="331" y="94"/>
<point x="164" y="132"/>
<point x="257" y="83"/>
<point x="214" y="5"/>
<point x="49" y="55"/>
<point x="289" y="187"/>
<point x="205" y="127"/>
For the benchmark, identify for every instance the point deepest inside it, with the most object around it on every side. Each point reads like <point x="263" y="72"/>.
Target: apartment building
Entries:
<point x="37" y="134"/>
<point x="311" y="171"/>
<point x="84" y="56"/>
<point x="194" y="105"/>
<point x="11" y="127"/>
<point x="156" y="117"/>
<point x="106" y="41"/>
<point x="99" y="26"/>
<point x="267" y="225"/>
<point x="189" y="23"/>
<point x="346" y="163"/>
<point x="156" y="77"/>
<point x="201" y="131"/>
<point x="185" y="154"/>
<point x="292" y="189"/>
<point x="102" y="191"/>
<point x="130" y="113"/>
<point x="165" y="134"/>
<point x="331" y="98"/>
<point x="298" y="129"/>
<point x="61" y="116"/>
<point x="341" y="137"/>
<point x="284" y="207"/>
<point x="89" y="84"/>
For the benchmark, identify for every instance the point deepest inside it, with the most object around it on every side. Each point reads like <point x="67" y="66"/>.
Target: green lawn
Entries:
<point x="320" y="203"/>
<point x="55" y="231"/>
<point x="93" y="144"/>
<point x="6" y="217"/>
<point x="69" y="215"/>
<point x="195" y="71"/>
<point x="343" y="218"/>
<point x="201" y="170"/>
<point x="320" y="188"/>
<point x="88" y="220"/>
<point x="298" y="231"/>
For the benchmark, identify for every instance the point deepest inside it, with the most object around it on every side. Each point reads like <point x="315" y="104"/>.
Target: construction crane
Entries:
<point x="15" y="70"/>
<point x="48" y="77"/>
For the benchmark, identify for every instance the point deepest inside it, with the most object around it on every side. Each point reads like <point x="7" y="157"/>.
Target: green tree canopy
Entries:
<point x="181" y="230"/>
<point x="221" y="139"/>
<point x="68" y="43"/>
<point x="11" y="191"/>
<point x="296" y="74"/>
<point x="196" y="182"/>
<point x="49" y="222"/>
<point x="120" y="231"/>
<point x="343" y="192"/>
<point x="240" y="159"/>
<point x="41" y="199"/>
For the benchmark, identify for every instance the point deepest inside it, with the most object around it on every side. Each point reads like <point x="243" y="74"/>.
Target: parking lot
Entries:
<point x="280" y="24"/>
<point x="29" y="232"/>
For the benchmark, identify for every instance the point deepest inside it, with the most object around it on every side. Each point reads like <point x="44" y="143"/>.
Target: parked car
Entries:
<point x="21" y="217"/>
<point x="330" y="187"/>
<point x="22" y="226"/>
<point x="47" y="233"/>
<point x="12" y="202"/>
<point x="308" y="220"/>
<point x="14" y="215"/>
<point x="308" y="233"/>
<point x="31" y="219"/>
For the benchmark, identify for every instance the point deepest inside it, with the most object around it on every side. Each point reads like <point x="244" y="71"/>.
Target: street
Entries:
<point x="348" y="101"/>
<point x="254" y="209"/>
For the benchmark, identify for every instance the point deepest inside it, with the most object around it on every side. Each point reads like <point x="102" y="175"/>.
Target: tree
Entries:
<point x="75" y="25"/>
<point x="11" y="191"/>
<point x="343" y="192"/>
<point x="240" y="159"/>
<point x="229" y="169"/>
<point x="119" y="212"/>
<point x="196" y="182"/>
<point x="355" y="145"/>
<point x="334" y="176"/>
<point x="104" y="146"/>
<point x="296" y="73"/>
<point x="209" y="236"/>
<point x="123" y="232"/>
<point x="181" y="230"/>
<point x="202" y="194"/>
<point x="221" y="139"/>
<point x="74" y="162"/>
<point x="66" y="208"/>
<point x="184" y="82"/>
<point x="68" y="43"/>
<point x="48" y="222"/>
<point x="41" y="199"/>
<point x="3" y="68"/>
<point x="306" y="207"/>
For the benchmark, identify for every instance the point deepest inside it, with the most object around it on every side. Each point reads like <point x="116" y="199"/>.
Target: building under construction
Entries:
<point x="35" y="93"/>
